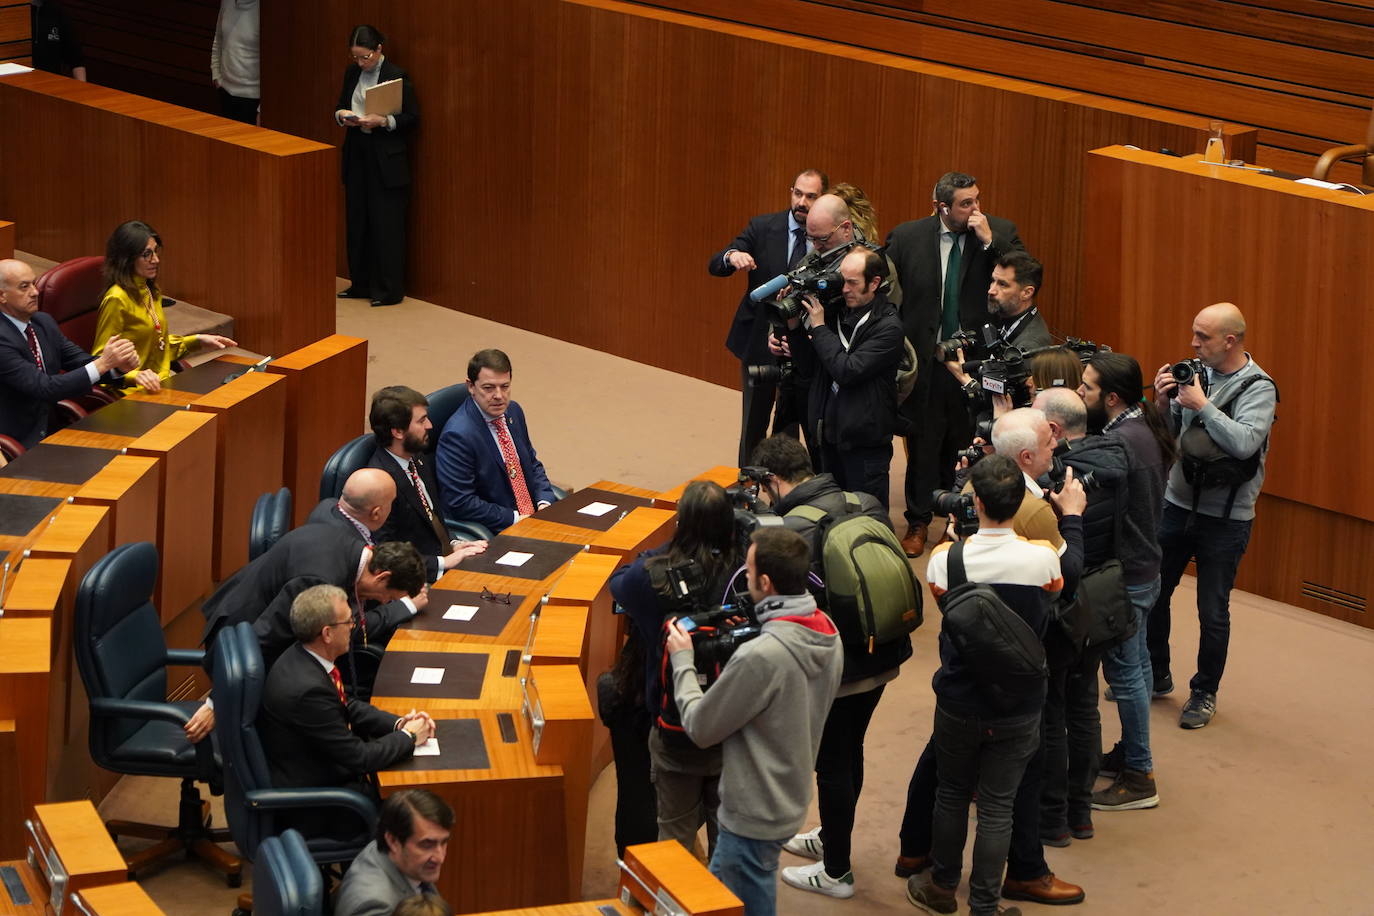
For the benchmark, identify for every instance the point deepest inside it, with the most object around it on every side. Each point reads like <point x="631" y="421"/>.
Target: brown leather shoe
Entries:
<point x="1046" y="889"/>
<point x="911" y="865"/>
<point x="915" y="541"/>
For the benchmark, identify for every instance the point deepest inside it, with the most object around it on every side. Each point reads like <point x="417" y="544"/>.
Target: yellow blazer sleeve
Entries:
<point x="110" y="323"/>
<point x="179" y="346"/>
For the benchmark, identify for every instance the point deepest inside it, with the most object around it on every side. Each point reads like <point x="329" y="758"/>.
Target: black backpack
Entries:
<point x="1006" y="657"/>
<point x="1205" y="464"/>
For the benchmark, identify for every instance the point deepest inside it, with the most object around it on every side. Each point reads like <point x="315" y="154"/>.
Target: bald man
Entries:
<point x="1209" y="502"/>
<point x="38" y="365"/>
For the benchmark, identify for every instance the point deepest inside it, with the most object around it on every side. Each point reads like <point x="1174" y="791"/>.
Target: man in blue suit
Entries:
<point x="38" y="365"/>
<point x="488" y="471"/>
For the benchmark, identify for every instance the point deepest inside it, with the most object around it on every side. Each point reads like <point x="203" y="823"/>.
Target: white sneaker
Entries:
<point x="813" y="878"/>
<point x="807" y="845"/>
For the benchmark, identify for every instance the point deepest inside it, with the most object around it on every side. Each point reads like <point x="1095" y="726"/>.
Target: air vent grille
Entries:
<point x="1335" y="596"/>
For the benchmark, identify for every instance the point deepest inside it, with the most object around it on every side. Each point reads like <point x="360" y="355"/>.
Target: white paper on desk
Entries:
<point x="14" y="69"/>
<point x="514" y="558"/>
<point x="427" y="676"/>
<point x="460" y="612"/>
<point x="1318" y="183"/>
<point x="429" y="749"/>
<point x="597" y="509"/>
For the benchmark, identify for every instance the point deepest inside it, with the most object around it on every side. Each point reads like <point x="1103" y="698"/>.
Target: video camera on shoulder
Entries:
<point x="716" y="634"/>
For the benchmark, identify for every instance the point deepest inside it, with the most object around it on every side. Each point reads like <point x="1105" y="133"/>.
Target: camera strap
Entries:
<point x="839" y="328"/>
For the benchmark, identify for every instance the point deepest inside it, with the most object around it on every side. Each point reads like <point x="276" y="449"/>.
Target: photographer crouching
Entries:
<point x="851" y="354"/>
<point x="767" y="709"/>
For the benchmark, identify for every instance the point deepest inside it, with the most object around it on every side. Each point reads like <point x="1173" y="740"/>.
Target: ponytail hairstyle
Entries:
<point x="1119" y="374"/>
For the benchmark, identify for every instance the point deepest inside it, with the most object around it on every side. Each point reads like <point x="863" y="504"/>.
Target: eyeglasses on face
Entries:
<point x="150" y="254"/>
<point x="364" y="58"/>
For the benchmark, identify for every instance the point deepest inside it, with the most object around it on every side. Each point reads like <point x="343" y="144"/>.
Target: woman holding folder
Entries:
<point x="377" y="108"/>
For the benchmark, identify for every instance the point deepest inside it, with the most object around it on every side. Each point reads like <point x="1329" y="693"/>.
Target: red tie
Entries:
<point x="523" y="504"/>
<point x="33" y="346"/>
<point x="338" y="684"/>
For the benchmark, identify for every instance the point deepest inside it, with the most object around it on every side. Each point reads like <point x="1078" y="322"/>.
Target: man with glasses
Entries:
<point x="312" y="732"/>
<point x="770" y="245"/>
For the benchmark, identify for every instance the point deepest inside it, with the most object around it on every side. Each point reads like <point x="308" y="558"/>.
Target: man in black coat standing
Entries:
<point x="851" y="357"/>
<point x="313" y="734"/>
<point x="944" y="263"/>
<point x="770" y="245"/>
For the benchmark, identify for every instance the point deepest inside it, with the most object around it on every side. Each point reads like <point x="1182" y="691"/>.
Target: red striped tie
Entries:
<point x="33" y="346"/>
<point x="523" y="504"/>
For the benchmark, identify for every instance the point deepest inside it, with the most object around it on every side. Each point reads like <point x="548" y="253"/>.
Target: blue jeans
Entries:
<point x="749" y="868"/>
<point x="988" y="755"/>
<point x="1217" y="544"/>
<point x="1127" y="670"/>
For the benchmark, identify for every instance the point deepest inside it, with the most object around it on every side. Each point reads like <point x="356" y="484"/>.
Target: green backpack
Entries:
<point x="872" y="594"/>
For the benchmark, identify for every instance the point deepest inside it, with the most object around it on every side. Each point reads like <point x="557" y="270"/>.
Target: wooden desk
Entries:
<point x="1293" y="258"/>
<point x="668" y="868"/>
<point x="329" y="371"/>
<point x="68" y="838"/>
<point x="272" y="195"/>
<point x="524" y="593"/>
<point x="25" y="657"/>
<point x="6" y="239"/>
<point x="499" y="691"/>
<point x="129" y="487"/>
<point x="127" y="899"/>
<point x="249" y="447"/>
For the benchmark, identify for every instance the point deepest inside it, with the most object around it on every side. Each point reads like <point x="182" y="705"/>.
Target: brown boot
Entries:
<point x="1046" y="889"/>
<point x="915" y="541"/>
<point x="911" y="865"/>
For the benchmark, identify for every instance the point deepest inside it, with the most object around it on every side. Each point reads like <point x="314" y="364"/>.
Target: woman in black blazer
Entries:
<point x="376" y="173"/>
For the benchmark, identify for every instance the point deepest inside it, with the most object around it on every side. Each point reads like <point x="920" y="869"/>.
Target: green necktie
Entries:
<point x="949" y="315"/>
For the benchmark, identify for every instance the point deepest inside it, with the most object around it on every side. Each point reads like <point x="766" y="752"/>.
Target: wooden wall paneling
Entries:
<point x="15" y="35"/>
<point x="607" y="146"/>
<point x="245" y="214"/>
<point x="6" y="239"/>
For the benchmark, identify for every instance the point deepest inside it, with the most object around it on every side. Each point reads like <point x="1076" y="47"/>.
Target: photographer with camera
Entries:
<point x="790" y="486"/>
<point x="1223" y="429"/>
<point x="1113" y="395"/>
<point x="987" y="723"/>
<point x="770" y="245"/>
<point x="704" y="552"/>
<point x="851" y="356"/>
<point x="767" y="710"/>
<point x="944" y="262"/>
<point x="1012" y="313"/>
<point x="1073" y="726"/>
<point x="1024" y="436"/>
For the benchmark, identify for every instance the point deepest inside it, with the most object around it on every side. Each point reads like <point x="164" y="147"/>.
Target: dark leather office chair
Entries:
<point x="123" y="661"/>
<point x="287" y="881"/>
<point x="250" y="801"/>
<point x="1362" y="152"/>
<point x="349" y="457"/>
<point x="10" y="447"/>
<point x="271" y="519"/>
<point x="443" y="404"/>
<point x="71" y="292"/>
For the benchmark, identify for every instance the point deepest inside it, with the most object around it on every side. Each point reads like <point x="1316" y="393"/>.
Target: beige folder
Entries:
<point x="383" y="99"/>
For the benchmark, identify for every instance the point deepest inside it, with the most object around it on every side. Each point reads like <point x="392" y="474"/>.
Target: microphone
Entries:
<point x="769" y="289"/>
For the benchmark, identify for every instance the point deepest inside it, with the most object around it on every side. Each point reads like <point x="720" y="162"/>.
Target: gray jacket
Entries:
<point x="372" y="886"/>
<point x="1239" y="435"/>
<point x="768" y="709"/>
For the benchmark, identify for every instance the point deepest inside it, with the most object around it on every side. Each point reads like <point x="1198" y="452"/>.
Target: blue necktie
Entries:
<point x="798" y="247"/>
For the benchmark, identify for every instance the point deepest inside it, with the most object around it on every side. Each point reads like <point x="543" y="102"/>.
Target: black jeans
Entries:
<point x="240" y="109"/>
<point x="840" y="774"/>
<point x="1217" y="544"/>
<point x="937" y="432"/>
<point x="988" y="755"/>
<point x="863" y="470"/>
<point x="635" y="801"/>
<point x="920" y="803"/>
<point x="1073" y="744"/>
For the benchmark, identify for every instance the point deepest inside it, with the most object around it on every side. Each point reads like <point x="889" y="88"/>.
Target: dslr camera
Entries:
<point x="1184" y="373"/>
<point x="1058" y="472"/>
<point x="960" y="506"/>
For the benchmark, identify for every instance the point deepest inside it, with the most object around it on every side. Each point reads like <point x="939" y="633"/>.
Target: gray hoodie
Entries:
<point x="768" y="709"/>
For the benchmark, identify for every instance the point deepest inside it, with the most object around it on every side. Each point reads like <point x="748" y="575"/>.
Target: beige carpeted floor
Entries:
<point x="1265" y="811"/>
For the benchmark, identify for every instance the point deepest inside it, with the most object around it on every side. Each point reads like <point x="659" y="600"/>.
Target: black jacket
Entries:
<point x="767" y="240"/>
<point x="825" y="494"/>
<point x="408" y="521"/>
<point x="863" y="411"/>
<point x="385" y="149"/>
<point x="1105" y="457"/>
<point x="28" y="393"/>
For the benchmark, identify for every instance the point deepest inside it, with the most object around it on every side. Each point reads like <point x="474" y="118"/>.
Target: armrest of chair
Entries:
<point x="70" y="410"/>
<point x="10" y="447"/>
<point x="1336" y="154"/>
<point x="110" y="707"/>
<point x="289" y="799"/>
<point x="191" y="657"/>
<point x="468" y="531"/>
<point x="558" y="492"/>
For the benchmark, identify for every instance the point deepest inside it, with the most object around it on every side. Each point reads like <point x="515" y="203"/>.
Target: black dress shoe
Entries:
<point x="350" y="293"/>
<point x="380" y="302"/>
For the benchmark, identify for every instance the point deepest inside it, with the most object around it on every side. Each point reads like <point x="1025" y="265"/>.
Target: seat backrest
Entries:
<point x="71" y="292"/>
<point x="443" y="404"/>
<point x="117" y="635"/>
<point x="350" y="457"/>
<point x="271" y="519"/>
<point x="237" y="692"/>
<point x="286" y="881"/>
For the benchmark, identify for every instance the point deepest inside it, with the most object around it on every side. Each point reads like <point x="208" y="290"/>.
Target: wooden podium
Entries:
<point x="1173" y="235"/>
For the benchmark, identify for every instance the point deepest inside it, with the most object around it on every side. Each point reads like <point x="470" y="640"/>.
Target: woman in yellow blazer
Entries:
<point x="132" y="307"/>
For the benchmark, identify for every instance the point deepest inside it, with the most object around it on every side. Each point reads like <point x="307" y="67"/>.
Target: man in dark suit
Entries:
<point x="376" y="174"/>
<point x="261" y="593"/>
<point x="400" y="422"/>
<point x="771" y="244"/>
<point x="312" y="733"/>
<point x="38" y="365"/>
<point x="1012" y="310"/>
<point x="488" y="470"/>
<point x="944" y="262"/>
